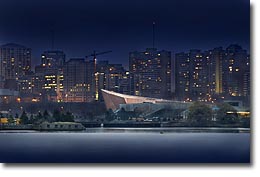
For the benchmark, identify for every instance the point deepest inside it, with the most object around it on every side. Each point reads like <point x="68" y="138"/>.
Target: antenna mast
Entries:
<point x="52" y="39"/>
<point x="153" y="33"/>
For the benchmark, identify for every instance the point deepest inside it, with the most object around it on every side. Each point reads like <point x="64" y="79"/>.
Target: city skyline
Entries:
<point x="126" y="81"/>
<point x="81" y="27"/>
<point x="195" y="75"/>
<point x="125" y="63"/>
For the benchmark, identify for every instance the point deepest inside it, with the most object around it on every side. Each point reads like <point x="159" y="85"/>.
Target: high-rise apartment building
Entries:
<point x="49" y="75"/>
<point x="198" y="72"/>
<point x="182" y="76"/>
<point x="76" y="86"/>
<point x="53" y="58"/>
<point x="215" y="60"/>
<point x="246" y="78"/>
<point x="191" y="75"/>
<point x="15" y="62"/>
<point x="234" y="68"/>
<point x="113" y="77"/>
<point x="214" y="73"/>
<point x="152" y="73"/>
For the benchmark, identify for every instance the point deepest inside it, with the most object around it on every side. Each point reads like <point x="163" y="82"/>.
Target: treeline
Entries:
<point x="84" y="110"/>
<point x="198" y="114"/>
<point x="56" y="116"/>
<point x="224" y="115"/>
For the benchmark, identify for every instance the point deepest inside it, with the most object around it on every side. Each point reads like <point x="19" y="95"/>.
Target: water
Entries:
<point x="121" y="145"/>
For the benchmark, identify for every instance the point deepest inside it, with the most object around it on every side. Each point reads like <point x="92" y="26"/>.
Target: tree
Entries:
<point x="122" y="114"/>
<point x="31" y="119"/>
<point x="199" y="112"/>
<point x="110" y="115"/>
<point x="68" y="117"/>
<point x="45" y="114"/>
<point x="24" y="118"/>
<point x="57" y="115"/>
<point x="39" y="116"/>
<point x="47" y="117"/>
<point x="38" y="119"/>
<point x="17" y="120"/>
<point x="11" y="119"/>
<point x="226" y="113"/>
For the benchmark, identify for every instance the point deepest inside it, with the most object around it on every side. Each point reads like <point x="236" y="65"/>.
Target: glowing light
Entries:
<point x="34" y="100"/>
<point x="18" y="100"/>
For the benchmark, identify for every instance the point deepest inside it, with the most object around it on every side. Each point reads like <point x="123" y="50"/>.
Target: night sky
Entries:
<point x="81" y="26"/>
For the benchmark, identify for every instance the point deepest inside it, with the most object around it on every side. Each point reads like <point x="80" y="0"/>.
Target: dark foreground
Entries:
<point x="126" y="146"/>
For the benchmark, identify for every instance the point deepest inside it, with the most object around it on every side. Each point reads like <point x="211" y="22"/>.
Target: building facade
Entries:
<point x="15" y="62"/>
<point x="182" y="76"/>
<point x="212" y="74"/>
<point x="48" y="77"/>
<point x="76" y="86"/>
<point x="53" y="58"/>
<point x="235" y="65"/>
<point x="152" y="73"/>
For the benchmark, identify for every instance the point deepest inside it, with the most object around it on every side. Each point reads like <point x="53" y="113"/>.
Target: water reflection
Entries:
<point x="126" y="145"/>
<point x="143" y="130"/>
<point x="168" y="130"/>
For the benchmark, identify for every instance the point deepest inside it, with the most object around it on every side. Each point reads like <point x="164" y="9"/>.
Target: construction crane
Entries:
<point x="94" y="55"/>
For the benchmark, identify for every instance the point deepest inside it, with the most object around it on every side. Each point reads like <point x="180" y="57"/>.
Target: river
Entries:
<point x="127" y="145"/>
